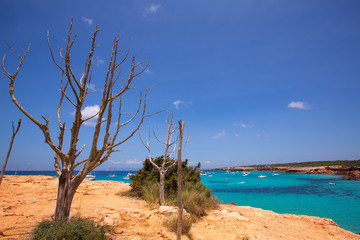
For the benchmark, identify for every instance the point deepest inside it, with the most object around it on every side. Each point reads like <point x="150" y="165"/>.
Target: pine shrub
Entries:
<point x="75" y="229"/>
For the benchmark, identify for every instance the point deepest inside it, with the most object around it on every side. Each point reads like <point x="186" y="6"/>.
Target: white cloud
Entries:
<point x="299" y="105"/>
<point x="98" y="61"/>
<point x="129" y="162"/>
<point x="177" y="103"/>
<point x="133" y="162"/>
<point x="86" y="20"/>
<point x="219" y="135"/>
<point x="207" y="162"/>
<point x="153" y="8"/>
<point x="88" y="112"/>
<point x="92" y="87"/>
<point x="116" y="162"/>
<point x="243" y="125"/>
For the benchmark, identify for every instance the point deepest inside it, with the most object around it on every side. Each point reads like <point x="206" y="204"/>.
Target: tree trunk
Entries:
<point x="161" y="188"/>
<point x="180" y="205"/>
<point x="66" y="192"/>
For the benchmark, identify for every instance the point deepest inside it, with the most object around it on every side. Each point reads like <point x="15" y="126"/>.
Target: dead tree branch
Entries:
<point x="10" y="147"/>
<point x="75" y="91"/>
<point x="166" y="162"/>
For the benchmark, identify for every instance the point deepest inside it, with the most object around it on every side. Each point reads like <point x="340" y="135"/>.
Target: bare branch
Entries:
<point x="52" y="55"/>
<point x="12" y="50"/>
<point x="138" y="126"/>
<point x="157" y="137"/>
<point x="82" y="148"/>
<point x="10" y="147"/>
<point x="81" y="162"/>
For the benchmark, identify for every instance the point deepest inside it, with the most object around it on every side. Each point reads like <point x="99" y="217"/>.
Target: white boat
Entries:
<point x="246" y="173"/>
<point x="128" y="176"/>
<point x="275" y="174"/>
<point x="262" y="176"/>
<point x="331" y="183"/>
<point x="112" y="175"/>
<point x="90" y="177"/>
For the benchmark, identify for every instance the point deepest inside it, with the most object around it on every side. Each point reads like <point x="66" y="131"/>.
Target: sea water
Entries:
<point x="304" y="194"/>
<point x="99" y="175"/>
<point x="326" y="196"/>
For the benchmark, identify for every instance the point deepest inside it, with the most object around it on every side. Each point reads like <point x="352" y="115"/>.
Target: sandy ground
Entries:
<point x="26" y="200"/>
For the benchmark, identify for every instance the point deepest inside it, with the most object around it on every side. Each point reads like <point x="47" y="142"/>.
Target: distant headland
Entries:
<point x="349" y="168"/>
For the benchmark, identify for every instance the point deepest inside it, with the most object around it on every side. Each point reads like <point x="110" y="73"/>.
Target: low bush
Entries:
<point x="197" y="198"/>
<point x="150" y="174"/>
<point x="172" y="220"/>
<point x="150" y="193"/>
<point x="75" y="229"/>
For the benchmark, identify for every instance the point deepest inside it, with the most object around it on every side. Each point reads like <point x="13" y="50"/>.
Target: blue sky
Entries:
<point x="256" y="82"/>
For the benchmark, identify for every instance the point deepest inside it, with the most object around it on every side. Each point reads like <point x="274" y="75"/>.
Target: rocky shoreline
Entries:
<point x="349" y="173"/>
<point x="26" y="200"/>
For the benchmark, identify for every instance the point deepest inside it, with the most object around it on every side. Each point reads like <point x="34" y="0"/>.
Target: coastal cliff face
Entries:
<point x="350" y="173"/>
<point x="26" y="200"/>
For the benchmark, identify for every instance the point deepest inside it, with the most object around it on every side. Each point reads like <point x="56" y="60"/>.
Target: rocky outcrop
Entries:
<point x="352" y="175"/>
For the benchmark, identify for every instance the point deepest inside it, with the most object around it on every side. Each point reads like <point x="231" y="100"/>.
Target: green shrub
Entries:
<point x="74" y="229"/>
<point x="150" y="174"/>
<point x="172" y="220"/>
<point x="197" y="198"/>
<point x="150" y="193"/>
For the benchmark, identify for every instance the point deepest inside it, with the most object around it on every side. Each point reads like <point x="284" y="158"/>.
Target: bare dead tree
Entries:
<point x="10" y="147"/>
<point x="180" y="205"/>
<point x="166" y="163"/>
<point x="75" y="90"/>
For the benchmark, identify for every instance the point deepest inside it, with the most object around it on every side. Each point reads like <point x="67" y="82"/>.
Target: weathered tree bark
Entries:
<point x="75" y="91"/>
<point x="10" y="147"/>
<point x="65" y="195"/>
<point x="162" y="188"/>
<point x="179" y="160"/>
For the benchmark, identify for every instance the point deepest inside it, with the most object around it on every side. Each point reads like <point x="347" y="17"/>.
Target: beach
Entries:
<point x="27" y="200"/>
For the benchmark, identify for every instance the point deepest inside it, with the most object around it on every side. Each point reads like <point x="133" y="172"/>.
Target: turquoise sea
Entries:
<point x="303" y="194"/>
<point x="326" y="196"/>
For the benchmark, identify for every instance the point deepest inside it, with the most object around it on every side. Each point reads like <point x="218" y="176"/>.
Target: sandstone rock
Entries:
<point x="224" y="211"/>
<point x="108" y="221"/>
<point x="167" y="209"/>
<point x="237" y="216"/>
